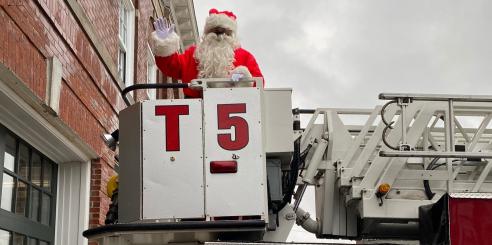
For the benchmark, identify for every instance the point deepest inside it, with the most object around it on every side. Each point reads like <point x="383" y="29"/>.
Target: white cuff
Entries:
<point x="164" y="47"/>
<point x="243" y="70"/>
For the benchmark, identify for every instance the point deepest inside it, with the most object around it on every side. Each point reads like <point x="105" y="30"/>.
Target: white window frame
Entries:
<point x="32" y="125"/>
<point x="127" y="45"/>
<point x="151" y="73"/>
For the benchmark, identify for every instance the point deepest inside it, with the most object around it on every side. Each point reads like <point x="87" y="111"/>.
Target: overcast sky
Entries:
<point x="344" y="53"/>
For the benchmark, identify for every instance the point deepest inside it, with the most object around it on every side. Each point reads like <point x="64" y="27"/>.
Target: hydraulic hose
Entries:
<point x="432" y="166"/>
<point x="428" y="191"/>
<point x="151" y="86"/>
<point x="297" y="159"/>
<point x="294" y="171"/>
<point x="385" y="141"/>
<point x="383" y="109"/>
<point x="389" y="125"/>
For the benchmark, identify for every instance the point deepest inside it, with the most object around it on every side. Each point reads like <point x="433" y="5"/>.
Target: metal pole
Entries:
<point x="433" y="154"/>
<point x="450" y="142"/>
<point x="451" y="124"/>
<point x="301" y="194"/>
<point x="403" y="122"/>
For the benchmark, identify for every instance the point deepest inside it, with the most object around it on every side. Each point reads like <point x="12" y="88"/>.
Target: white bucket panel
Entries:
<point x="172" y="159"/>
<point x="233" y="132"/>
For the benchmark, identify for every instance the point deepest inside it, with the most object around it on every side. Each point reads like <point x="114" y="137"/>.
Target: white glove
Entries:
<point x="163" y="28"/>
<point x="237" y="76"/>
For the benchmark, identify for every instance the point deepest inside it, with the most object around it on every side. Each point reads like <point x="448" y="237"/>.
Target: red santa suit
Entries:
<point x="185" y="67"/>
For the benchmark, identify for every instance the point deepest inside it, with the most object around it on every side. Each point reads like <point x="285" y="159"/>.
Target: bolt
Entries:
<point x="290" y="216"/>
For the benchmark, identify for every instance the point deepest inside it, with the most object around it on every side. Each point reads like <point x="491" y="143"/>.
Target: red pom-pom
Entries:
<point x="228" y="13"/>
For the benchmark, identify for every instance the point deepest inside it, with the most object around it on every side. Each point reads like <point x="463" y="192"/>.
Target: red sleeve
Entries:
<point x="173" y="65"/>
<point x="253" y="67"/>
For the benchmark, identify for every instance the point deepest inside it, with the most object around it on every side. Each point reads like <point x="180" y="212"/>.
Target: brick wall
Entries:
<point x="104" y="16"/>
<point x="142" y="28"/>
<point x="33" y="30"/>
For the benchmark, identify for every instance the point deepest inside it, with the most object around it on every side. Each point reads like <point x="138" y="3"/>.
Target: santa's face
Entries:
<point x="221" y="31"/>
<point x="215" y="53"/>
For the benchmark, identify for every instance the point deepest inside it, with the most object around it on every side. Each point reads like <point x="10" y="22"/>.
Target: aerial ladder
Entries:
<point x="235" y="164"/>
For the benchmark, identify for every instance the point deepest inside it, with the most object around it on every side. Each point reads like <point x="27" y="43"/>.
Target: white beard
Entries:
<point x="215" y="55"/>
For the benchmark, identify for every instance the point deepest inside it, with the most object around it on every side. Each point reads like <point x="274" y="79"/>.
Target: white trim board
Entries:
<point x="72" y="212"/>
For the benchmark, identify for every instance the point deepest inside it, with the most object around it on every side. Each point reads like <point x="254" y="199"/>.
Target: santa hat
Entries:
<point x="224" y="19"/>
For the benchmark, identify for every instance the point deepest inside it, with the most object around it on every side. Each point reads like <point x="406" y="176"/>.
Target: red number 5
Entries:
<point x="226" y="121"/>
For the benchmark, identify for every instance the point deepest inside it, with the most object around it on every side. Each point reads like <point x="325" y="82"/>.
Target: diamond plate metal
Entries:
<point x="475" y="195"/>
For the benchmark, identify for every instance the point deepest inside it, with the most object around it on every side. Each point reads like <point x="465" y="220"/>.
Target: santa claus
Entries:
<point x="218" y="55"/>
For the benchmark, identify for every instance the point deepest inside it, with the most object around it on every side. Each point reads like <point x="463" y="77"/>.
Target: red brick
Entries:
<point x="90" y="98"/>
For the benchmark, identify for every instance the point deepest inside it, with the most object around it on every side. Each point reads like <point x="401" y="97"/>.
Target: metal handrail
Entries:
<point x="437" y="97"/>
<point x="440" y="154"/>
<point x="151" y="86"/>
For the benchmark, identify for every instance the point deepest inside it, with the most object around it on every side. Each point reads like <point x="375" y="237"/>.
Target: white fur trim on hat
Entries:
<point x="164" y="47"/>
<point x="243" y="70"/>
<point x="222" y="20"/>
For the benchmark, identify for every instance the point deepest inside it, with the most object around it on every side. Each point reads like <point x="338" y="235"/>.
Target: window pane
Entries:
<point x="123" y="35"/>
<point x="4" y="237"/>
<point x="123" y="25"/>
<point x="123" y="22"/>
<point x="19" y="239"/>
<point x="9" y="156"/>
<point x="36" y="169"/>
<point x="122" y="64"/>
<point x="23" y="161"/>
<point x="46" y="210"/>
<point x="7" y="192"/>
<point x="47" y="175"/>
<point x="43" y="243"/>
<point x="32" y="241"/>
<point x="21" y="198"/>
<point x="35" y="204"/>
